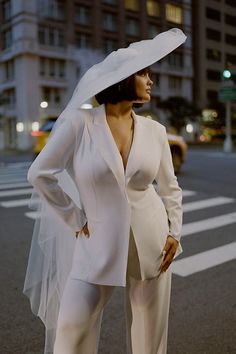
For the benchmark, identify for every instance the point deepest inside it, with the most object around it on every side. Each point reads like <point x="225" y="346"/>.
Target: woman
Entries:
<point x="127" y="233"/>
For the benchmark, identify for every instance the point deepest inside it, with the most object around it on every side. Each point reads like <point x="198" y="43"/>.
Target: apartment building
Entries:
<point x="214" y="47"/>
<point x="45" y="46"/>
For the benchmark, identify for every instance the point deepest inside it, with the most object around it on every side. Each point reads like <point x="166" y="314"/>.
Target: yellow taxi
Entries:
<point x="177" y="144"/>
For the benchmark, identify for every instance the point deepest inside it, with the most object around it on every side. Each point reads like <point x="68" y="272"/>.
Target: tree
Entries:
<point x="180" y="111"/>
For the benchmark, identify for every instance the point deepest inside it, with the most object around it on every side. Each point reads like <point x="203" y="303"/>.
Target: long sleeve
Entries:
<point x="53" y="159"/>
<point x="169" y="190"/>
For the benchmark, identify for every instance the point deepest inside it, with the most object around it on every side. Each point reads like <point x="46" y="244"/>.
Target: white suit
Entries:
<point x="112" y="200"/>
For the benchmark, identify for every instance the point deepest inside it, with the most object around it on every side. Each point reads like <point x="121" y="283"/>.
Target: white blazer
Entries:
<point x="112" y="200"/>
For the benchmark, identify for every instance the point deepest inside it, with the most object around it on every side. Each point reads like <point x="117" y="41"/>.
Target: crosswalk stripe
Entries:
<point x="33" y="214"/>
<point x="206" y="203"/>
<point x="14" y="185"/>
<point x="14" y="203"/>
<point x="208" y="224"/>
<point x="11" y="193"/>
<point x="187" y="193"/>
<point x="13" y="180"/>
<point x="204" y="260"/>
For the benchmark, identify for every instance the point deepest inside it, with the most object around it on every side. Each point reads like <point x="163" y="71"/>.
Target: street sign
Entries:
<point x="226" y="94"/>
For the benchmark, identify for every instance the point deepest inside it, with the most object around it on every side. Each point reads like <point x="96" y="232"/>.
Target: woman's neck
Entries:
<point x="121" y="110"/>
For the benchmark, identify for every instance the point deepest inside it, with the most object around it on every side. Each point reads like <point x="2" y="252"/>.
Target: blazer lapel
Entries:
<point x="103" y="142"/>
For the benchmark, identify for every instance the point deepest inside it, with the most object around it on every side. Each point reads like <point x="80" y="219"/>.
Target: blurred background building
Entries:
<point x="46" y="45"/>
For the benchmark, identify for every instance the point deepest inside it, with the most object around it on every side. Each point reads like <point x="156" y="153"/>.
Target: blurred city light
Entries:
<point x="19" y="127"/>
<point x="35" y="126"/>
<point x="86" y="106"/>
<point x="43" y="104"/>
<point x="227" y="74"/>
<point x="189" y="128"/>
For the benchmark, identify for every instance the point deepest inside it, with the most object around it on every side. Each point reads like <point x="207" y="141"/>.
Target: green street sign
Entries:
<point x="227" y="94"/>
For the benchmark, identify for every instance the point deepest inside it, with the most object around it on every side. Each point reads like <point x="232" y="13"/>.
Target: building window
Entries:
<point x="231" y="59"/>
<point x="213" y="34"/>
<point x="110" y="2"/>
<point x="7" y="38"/>
<point x="52" y="8"/>
<point x="6" y="10"/>
<point x="82" y="15"/>
<point x="229" y="39"/>
<point x="52" y="67"/>
<point x="132" y="27"/>
<point x="175" y="83"/>
<point x="230" y="20"/>
<point x="52" y="95"/>
<point x="83" y="40"/>
<point x="231" y="3"/>
<point x="9" y="70"/>
<point x="212" y="95"/>
<point x="61" y="68"/>
<point x="109" y="22"/>
<point x="153" y="8"/>
<point x="153" y="30"/>
<point x="109" y="45"/>
<point x="10" y="98"/>
<point x="132" y="5"/>
<point x="51" y="36"/>
<point x="213" y="14"/>
<point x="176" y="59"/>
<point x="213" y="54"/>
<point x="174" y="14"/>
<point x="213" y="75"/>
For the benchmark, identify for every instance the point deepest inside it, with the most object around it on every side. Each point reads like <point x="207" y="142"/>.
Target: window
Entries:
<point x="175" y="83"/>
<point x="231" y="3"/>
<point x="10" y="98"/>
<point x="174" y="13"/>
<point x="51" y="36"/>
<point x="231" y="59"/>
<point x="109" y="22"/>
<point x="109" y="45"/>
<point x="52" y="67"/>
<point x="213" y="14"/>
<point x="230" y="39"/>
<point x="175" y="59"/>
<point x="213" y="34"/>
<point x="6" y="10"/>
<point x="153" y="8"/>
<point x="132" y="5"/>
<point x="230" y="20"/>
<point x="212" y="95"/>
<point x="52" y="8"/>
<point x="213" y="54"/>
<point x="61" y="68"/>
<point x="7" y="38"/>
<point x="82" y="15"/>
<point x="83" y="40"/>
<point x="9" y="70"/>
<point x="52" y="95"/>
<point x="213" y="75"/>
<point x="153" y="30"/>
<point x="132" y="27"/>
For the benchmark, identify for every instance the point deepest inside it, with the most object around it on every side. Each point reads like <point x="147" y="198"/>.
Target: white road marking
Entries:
<point x="33" y="214"/>
<point x="206" y="203"/>
<point x="14" y="203"/>
<point x="208" y="224"/>
<point x="14" y="185"/>
<point x="204" y="260"/>
<point x="13" y="180"/>
<point x="187" y="193"/>
<point x="11" y="193"/>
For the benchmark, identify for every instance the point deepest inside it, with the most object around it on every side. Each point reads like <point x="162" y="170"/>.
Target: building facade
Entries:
<point x="45" y="46"/>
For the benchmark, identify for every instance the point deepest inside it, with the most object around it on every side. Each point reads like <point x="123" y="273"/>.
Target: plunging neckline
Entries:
<point x="115" y="145"/>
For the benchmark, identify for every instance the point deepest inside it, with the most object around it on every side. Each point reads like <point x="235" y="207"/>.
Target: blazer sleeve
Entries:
<point x="169" y="190"/>
<point x="54" y="158"/>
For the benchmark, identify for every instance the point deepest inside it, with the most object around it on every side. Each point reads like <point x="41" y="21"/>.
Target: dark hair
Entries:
<point x="122" y="91"/>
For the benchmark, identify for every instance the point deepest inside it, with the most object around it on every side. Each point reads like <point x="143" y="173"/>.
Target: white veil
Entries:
<point x="53" y="242"/>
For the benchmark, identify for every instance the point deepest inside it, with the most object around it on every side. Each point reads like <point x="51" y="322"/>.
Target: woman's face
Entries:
<point x="143" y="85"/>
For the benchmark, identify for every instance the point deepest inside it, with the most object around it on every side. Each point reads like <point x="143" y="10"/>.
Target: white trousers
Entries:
<point x="147" y="310"/>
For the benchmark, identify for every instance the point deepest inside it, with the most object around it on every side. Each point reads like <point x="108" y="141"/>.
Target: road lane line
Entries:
<point x="187" y="193"/>
<point x="16" y="192"/>
<point x="208" y="224"/>
<point x="206" y="203"/>
<point x="204" y="260"/>
<point x="14" y="185"/>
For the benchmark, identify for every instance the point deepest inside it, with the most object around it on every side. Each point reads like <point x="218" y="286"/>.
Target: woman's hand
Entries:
<point x="84" y="230"/>
<point x="168" y="253"/>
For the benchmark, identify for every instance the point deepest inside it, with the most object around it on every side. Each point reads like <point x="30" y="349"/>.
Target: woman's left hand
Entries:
<point x="168" y="253"/>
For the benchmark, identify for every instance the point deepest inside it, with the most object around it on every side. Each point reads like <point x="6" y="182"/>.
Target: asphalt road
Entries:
<point x="203" y="303"/>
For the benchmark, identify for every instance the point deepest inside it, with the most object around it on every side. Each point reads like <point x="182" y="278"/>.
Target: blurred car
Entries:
<point x="178" y="146"/>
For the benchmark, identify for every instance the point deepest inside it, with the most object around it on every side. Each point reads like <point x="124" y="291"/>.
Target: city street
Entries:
<point x="203" y="303"/>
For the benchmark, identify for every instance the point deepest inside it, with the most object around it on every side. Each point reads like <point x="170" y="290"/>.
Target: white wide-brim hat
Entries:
<point x="124" y="62"/>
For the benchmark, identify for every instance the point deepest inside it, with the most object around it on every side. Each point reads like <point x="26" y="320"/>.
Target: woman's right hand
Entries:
<point x="84" y="230"/>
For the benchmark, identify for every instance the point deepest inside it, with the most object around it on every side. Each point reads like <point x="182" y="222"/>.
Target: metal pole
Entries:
<point x="228" y="146"/>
